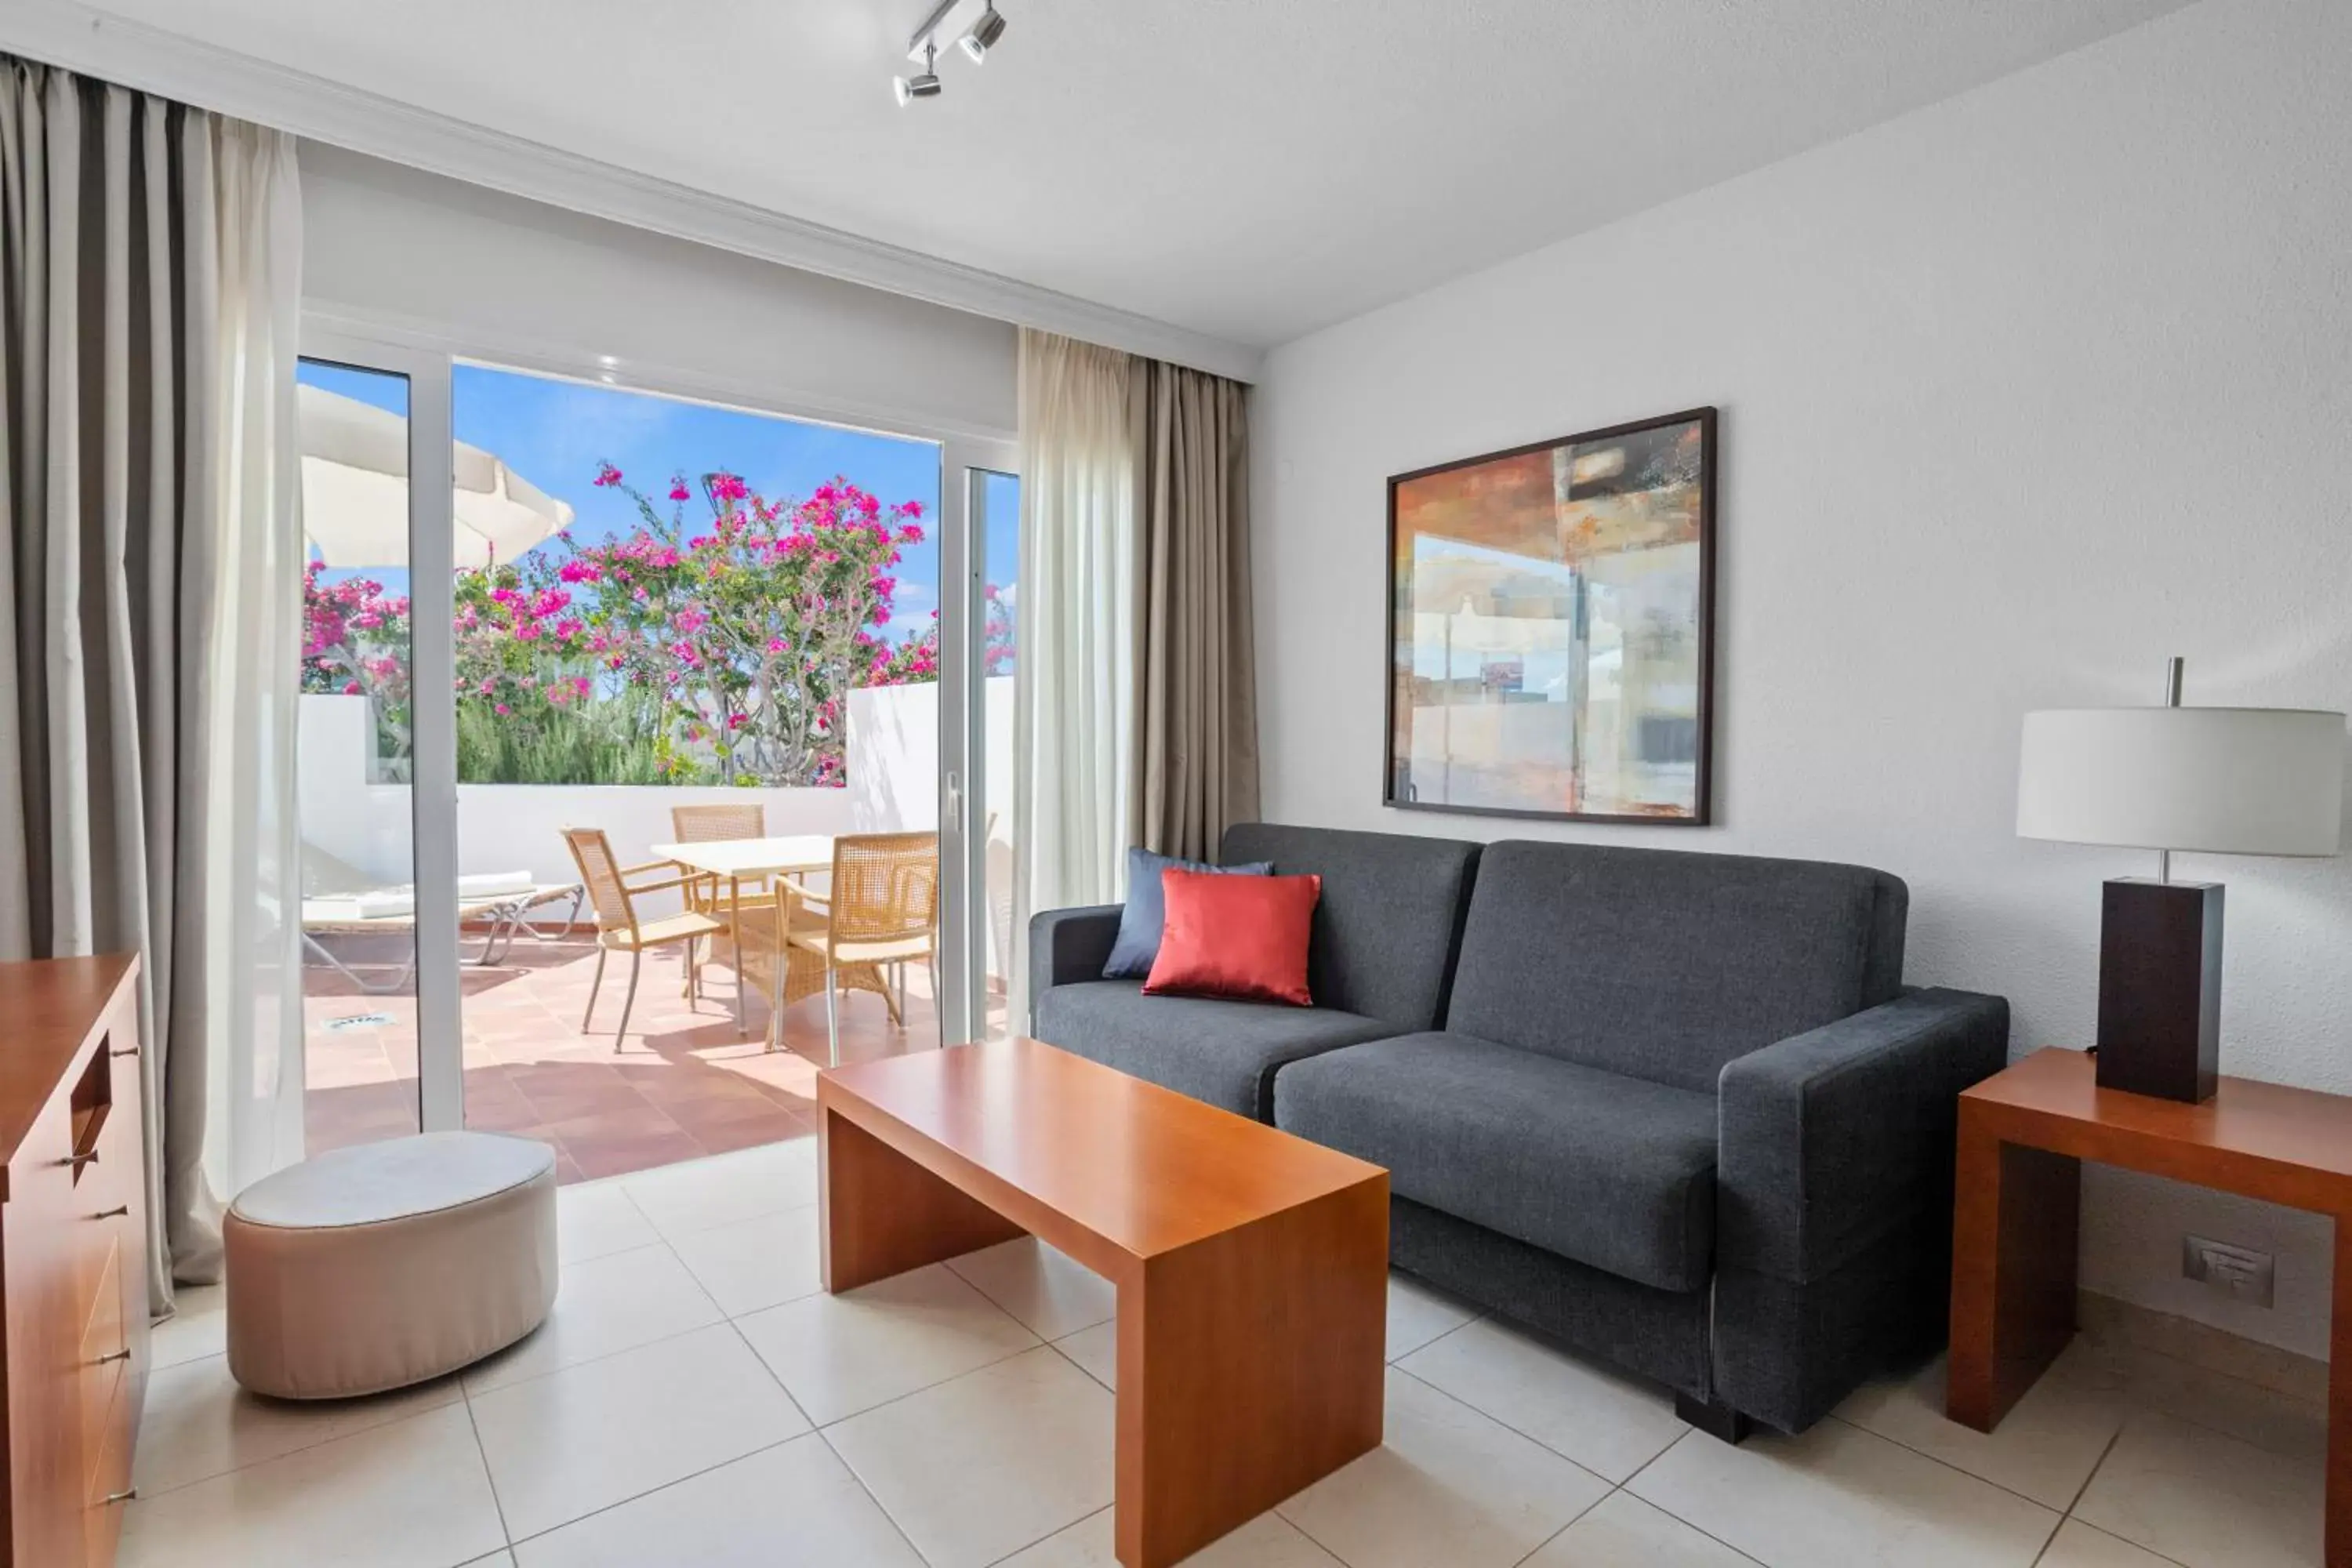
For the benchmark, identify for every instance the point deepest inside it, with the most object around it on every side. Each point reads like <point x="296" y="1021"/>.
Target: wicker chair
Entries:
<point x="881" y="910"/>
<point x="618" y="927"/>
<point x="712" y="824"/>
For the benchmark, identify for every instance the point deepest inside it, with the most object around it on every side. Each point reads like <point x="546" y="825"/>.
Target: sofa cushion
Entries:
<point x="1222" y="1052"/>
<point x="1613" y="1172"/>
<point x="1666" y="966"/>
<point x="1144" y="915"/>
<point x="1390" y="919"/>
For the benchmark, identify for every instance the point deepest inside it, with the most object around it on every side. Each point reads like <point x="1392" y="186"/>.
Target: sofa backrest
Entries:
<point x="1665" y="965"/>
<point x="1389" y="921"/>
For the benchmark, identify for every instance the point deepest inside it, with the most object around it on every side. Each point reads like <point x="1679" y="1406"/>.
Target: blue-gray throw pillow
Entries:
<point x="1140" y="922"/>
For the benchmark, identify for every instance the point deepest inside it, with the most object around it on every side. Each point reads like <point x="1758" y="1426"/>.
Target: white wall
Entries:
<point x="493" y="269"/>
<point x="2021" y="394"/>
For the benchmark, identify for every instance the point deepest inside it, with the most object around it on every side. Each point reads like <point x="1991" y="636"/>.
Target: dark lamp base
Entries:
<point x="2160" y="987"/>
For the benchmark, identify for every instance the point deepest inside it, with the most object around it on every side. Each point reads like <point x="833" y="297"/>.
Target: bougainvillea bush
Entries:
<point x="718" y="643"/>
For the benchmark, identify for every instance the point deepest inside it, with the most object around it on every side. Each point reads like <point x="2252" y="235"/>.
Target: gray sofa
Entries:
<point x="1678" y="1109"/>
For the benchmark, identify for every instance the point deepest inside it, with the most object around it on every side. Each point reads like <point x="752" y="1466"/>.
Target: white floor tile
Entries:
<point x="596" y="1219"/>
<point x="1838" y="1494"/>
<point x="1624" y="1532"/>
<point x="199" y="1422"/>
<point x="2246" y="1411"/>
<point x="588" y="1437"/>
<point x="1267" y="1541"/>
<point x="1051" y="1293"/>
<point x="1447" y="1486"/>
<point x="2077" y="1545"/>
<point x="604" y="1305"/>
<point x="978" y="1467"/>
<point x="2045" y="1448"/>
<point x="1609" y="1423"/>
<point x="840" y="1354"/>
<point x="198" y="1326"/>
<point x="1096" y="1351"/>
<point x="792" y="1506"/>
<point x="757" y="1262"/>
<point x="410" y="1494"/>
<point x="701" y="1194"/>
<point x="2200" y="1497"/>
<point x="1418" y="1314"/>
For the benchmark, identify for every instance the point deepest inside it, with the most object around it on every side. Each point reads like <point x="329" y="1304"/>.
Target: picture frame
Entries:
<point x="1550" y="628"/>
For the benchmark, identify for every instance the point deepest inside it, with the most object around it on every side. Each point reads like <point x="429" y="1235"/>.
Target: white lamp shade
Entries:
<point x="2232" y="781"/>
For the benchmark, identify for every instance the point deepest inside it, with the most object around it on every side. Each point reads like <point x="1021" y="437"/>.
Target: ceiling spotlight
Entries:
<point x="925" y="85"/>
<point x="984" y="35"/>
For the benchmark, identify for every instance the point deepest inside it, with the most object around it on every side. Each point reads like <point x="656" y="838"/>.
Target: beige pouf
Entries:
<point x="387" y="1264"/>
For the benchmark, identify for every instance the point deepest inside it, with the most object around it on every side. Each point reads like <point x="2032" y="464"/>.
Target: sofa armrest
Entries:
<point x="1833" y="1140"/>
<point x="1067" y="945"/>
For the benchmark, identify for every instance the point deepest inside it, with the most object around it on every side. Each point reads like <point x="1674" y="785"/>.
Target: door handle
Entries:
<point x="122" y="1354"/>
<point x="129" y="1495"/>
<point x="118" y="1211"/>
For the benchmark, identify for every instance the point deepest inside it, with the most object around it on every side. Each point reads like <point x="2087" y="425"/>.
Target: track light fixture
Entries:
<point x="924" y="83"/>
<point x="984" y="35"/>
<point x="974" y="25"/>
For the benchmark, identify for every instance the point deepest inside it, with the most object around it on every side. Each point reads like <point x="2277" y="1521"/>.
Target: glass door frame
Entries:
<point x="426" y="358"/>
<point x="433" y="711"/>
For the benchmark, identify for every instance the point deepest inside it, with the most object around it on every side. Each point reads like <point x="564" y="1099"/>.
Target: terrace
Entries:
<point x="619" y="651"/>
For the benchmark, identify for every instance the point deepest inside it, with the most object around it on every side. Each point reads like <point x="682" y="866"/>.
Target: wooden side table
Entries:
<point x="2023" y="1135"/>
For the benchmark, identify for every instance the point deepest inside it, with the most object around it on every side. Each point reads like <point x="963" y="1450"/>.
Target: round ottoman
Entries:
<point x="387" y="1264"/>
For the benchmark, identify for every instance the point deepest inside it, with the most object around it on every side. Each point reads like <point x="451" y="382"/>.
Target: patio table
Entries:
<point x="739" y="859"/>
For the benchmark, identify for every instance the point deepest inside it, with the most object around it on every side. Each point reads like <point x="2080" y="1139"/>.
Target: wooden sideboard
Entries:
<point x="73" y="1254"/>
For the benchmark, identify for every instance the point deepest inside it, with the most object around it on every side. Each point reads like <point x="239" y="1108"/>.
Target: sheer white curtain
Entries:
<point x="255" y="1036"/>
<point x="149" y="586"/>
<point x="1074" y="690"/>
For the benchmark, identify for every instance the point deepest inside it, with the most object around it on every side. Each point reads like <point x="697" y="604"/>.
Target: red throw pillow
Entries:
<point x="1238" y="937"/>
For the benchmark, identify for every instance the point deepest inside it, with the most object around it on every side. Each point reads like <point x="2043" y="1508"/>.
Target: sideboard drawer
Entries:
<point x="73" y="1256"/>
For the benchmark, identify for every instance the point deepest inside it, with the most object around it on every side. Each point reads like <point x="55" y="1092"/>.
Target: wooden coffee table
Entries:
<point x="1252" y="1267"/>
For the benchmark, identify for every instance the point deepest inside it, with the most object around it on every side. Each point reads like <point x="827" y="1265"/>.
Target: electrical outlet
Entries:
<point x="2243" y="1273"/>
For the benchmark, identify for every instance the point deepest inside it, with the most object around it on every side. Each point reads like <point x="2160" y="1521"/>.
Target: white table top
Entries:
<point x="753" y="856"/>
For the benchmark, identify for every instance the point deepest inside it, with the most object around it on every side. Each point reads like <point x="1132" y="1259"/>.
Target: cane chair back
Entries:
<point x="600" y="872"/>
<point x="727" y="819"/>
<point x="885" y="887"/>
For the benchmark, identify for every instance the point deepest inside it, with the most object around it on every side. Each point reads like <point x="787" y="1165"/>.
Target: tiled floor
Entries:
<point x="688" y="1082"/>
<point x="696" y="1399"/>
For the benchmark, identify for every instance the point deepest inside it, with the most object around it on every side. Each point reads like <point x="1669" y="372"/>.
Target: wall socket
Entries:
<point x="2243" y="1273"/>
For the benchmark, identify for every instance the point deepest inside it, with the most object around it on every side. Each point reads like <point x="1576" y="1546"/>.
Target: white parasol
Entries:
<point x="355" y="490"/>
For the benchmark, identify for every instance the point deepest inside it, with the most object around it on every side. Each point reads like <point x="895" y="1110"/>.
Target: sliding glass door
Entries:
<point x="545" y="611"/>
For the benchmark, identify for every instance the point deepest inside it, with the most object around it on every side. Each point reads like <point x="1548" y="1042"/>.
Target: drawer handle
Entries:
<point x="109" y="1360"/>
<point x="130" y="1051"/>
<point x="118" y="1211"/>
<point x="131" y="1495"/>
<point x="74" y="1163"/>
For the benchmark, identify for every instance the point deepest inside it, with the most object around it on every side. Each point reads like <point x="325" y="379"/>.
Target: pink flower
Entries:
<point x="607" y="475"/>
<point x="726" y="488"/>
<point x="678" y="491"/>
<point x="736" y="720"/>
<point x="352" y="688"/>
<point x="501" y="710"/>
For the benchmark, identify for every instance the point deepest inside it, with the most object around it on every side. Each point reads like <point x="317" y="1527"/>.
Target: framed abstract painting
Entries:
<point x="1551" y="627"/>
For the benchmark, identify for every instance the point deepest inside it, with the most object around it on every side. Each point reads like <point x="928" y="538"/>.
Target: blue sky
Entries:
<point x="555" y="433"/>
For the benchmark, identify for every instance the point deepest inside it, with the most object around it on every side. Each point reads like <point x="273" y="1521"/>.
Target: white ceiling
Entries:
<point x="1247" y="169"/>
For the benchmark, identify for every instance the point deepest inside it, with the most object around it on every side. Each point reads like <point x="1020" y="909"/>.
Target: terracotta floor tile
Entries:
<point x="686" y="1082"/>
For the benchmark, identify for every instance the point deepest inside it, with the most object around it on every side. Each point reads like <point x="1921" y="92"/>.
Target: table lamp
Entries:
<point x="2229" y="780"/>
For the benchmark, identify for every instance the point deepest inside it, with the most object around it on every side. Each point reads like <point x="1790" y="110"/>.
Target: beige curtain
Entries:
<point x="1195" y="676"/>
<point x="148" y="255"/>
<point x="1073" y="684"/>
